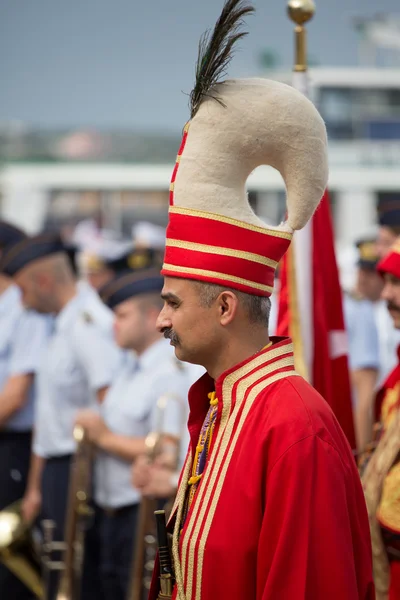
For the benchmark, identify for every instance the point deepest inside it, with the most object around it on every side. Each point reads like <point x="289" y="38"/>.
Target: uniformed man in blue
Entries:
<point x="370" y="287"/>
<point x="78" y="367"/>
<point x="130" y="411"/>
<point x="363" y="347"/>
<point x="22" y="341"/>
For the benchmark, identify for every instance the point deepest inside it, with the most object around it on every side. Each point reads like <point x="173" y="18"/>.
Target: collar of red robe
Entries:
<point x="233" y="384"/>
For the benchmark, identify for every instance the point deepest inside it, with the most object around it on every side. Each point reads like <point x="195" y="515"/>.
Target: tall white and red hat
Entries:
<point x="213" y="235"/>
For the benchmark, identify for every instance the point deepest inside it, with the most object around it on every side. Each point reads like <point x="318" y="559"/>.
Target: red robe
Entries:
<point x="279" y="513"/>
<point x="382" y="488"/>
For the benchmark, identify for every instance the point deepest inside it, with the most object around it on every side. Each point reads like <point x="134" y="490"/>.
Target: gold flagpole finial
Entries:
<point x="300" y="12"/>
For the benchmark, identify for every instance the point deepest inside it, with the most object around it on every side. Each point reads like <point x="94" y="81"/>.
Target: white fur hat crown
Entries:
<point x="237" y="125"/>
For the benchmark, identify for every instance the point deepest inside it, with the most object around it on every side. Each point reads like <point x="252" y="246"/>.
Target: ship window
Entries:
<point x="335" y="105"/>
<point x="383" y="130"/>
<point x="361" y="113"/>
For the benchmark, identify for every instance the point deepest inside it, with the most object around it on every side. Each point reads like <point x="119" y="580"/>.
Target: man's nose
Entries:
<point x="387" y="292"/>
<point x="163" y="321"/>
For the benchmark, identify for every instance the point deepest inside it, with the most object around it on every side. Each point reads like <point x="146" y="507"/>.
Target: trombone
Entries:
<point x="78" y="513"/>
<point x="18" y="550"/>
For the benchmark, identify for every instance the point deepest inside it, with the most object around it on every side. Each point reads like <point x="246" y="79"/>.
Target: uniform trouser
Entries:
<point x="117" y="536"/>
<point x="54" y="507"/>
<point x="15" y="450"/>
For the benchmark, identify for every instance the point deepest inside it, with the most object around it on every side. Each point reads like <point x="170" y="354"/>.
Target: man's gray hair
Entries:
<point x="258" y="308"/>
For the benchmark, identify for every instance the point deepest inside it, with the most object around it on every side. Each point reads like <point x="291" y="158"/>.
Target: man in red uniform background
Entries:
<point x="381" y="479"/>
<point x="270" y="504"/>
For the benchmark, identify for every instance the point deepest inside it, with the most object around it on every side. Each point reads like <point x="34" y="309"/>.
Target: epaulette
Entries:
<point x="354" y="295"/>
<point x="87" y="317"/>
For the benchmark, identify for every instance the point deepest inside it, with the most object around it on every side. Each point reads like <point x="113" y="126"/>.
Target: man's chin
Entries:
<point x="180" y="355"/>
<point x="176" y="349"/>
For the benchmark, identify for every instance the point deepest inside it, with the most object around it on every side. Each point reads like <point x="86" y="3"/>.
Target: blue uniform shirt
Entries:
<point x="130" y="409"/>
<point x="23" y="339"/>
<point x="81" y="358"/>
<point x="362" y="333"/>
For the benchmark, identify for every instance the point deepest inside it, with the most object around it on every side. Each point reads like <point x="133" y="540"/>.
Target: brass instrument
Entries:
<point x="166" y="571"/>
<point x="145" y="549"/>
<point x="18" y="550"/>
<point x="78" y="512"/>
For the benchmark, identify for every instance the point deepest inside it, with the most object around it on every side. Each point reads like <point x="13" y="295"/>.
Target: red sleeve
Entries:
<point x="314" y="541"/>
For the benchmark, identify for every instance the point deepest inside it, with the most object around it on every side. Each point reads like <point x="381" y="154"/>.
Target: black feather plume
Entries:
<point x="215" y="51"/>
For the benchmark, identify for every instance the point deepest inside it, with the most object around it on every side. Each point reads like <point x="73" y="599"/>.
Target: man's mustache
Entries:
<point x="393" y="307"/>
<point x="170" y="334"/>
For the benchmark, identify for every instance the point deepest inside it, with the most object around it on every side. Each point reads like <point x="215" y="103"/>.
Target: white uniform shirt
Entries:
<point x="81" y="358"/>
<point x="130" y="409"/>
<point x="23" y="339"/>
<point x="362" y="332"/>
<point x="362" y="335"/>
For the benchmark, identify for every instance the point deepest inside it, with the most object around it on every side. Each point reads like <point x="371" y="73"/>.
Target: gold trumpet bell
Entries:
<point x="17" y="549"/>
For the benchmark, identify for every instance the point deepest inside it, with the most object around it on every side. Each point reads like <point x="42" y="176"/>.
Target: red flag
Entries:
<point x="311" y="312"/>
<point x="330" y="370"/>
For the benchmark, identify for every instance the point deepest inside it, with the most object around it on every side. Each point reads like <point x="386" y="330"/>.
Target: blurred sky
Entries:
<point x="128" y="63"/>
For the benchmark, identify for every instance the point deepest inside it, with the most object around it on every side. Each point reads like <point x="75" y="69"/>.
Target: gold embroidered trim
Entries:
<point x="389" y="401"/>
<point x="171" y="187"/>
<point x="388" y="512"/>
<point x="282" y="363"/>
<point x="229" y="445"/>
<point x="216" y="275"/>
<point x="262" y="260"/>
<point x="188" y="555"/>
<point x="228" y="385"/>
<point x="180" y="503"/>
<point x="180" y="210"/>
<point x="226" y="407"/>
<point x="373" y="480"/>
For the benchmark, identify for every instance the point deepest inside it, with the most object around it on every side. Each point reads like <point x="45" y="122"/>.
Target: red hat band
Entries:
<point x="391" y="263"/>
<point x="214" y="248"/>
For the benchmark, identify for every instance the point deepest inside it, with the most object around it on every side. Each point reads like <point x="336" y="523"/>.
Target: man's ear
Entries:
<point x="227" y="303"/>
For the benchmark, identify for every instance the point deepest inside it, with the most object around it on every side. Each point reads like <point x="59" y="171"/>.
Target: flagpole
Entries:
<point x="299" y="257"/>
<point x="300" y="12"/>
<point x="311" y="305"/>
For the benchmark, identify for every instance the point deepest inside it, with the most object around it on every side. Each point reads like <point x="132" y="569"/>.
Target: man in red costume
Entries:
<point x="270" y="505"/>
<point x="381" y="479"/>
